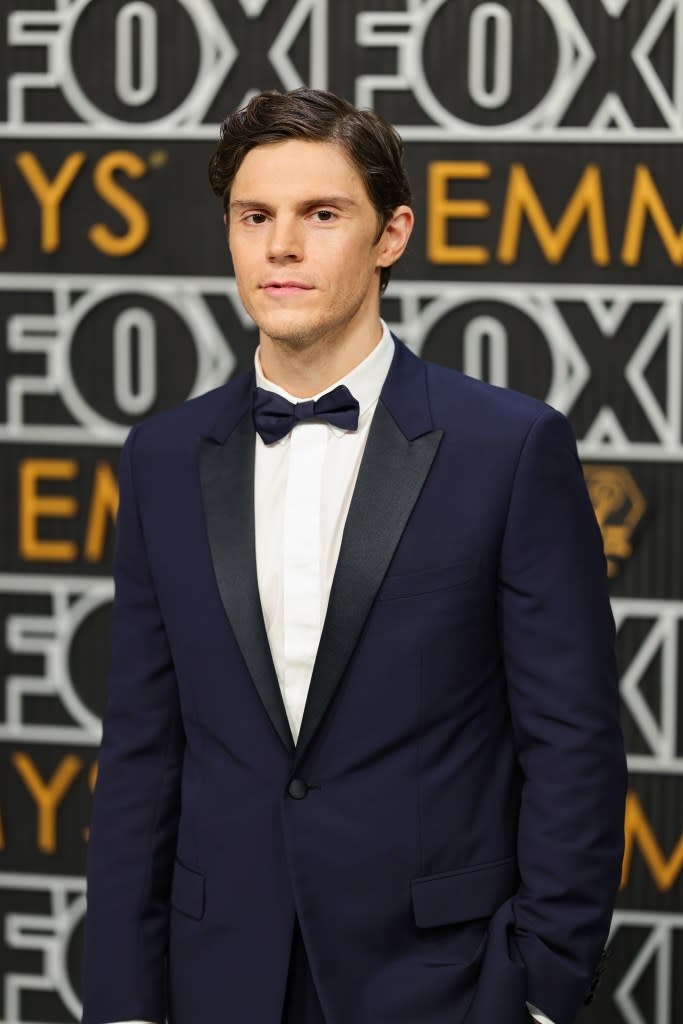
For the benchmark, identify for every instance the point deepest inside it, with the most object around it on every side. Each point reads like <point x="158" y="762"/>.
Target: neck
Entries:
<point x="305" y="370"/>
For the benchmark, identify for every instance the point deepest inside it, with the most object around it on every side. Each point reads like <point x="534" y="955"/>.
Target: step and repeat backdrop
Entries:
<point x="545" y="148"/>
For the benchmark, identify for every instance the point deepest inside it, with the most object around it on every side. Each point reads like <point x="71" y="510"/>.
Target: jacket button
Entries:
<point x="297" y="789"/>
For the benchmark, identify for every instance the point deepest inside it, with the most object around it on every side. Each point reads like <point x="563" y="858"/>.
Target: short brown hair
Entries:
<point x="373" y="145"/>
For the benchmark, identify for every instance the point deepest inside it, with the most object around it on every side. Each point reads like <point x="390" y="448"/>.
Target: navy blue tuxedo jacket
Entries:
<point x="448" y="827"/>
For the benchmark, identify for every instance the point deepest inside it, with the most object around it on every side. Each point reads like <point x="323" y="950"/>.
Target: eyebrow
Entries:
<point x="343" y="202"/>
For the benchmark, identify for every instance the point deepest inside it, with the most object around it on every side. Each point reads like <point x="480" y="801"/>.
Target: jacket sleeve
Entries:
<point x="557" y="637"/>
<point x="136" y="805"/>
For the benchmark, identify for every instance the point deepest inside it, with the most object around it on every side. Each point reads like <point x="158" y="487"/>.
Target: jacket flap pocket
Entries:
<point x="187" y="891"/>
<point x="426" y="580"/>
<point x="463" y="895"/>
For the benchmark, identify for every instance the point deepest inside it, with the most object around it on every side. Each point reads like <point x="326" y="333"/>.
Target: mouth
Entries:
<point x="282" y="288"/>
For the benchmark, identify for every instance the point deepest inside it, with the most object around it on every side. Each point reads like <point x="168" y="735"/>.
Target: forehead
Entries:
<point x="297" y="167"/>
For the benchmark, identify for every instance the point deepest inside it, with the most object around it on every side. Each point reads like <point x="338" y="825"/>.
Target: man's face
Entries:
<point x="301" y="234"/>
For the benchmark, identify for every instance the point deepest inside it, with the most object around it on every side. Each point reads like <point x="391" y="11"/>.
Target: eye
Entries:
<point x="255" y="218"/>
<point x="325" y="216"/>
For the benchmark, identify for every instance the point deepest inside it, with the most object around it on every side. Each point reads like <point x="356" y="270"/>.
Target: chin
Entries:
<point x="291" y="331"/>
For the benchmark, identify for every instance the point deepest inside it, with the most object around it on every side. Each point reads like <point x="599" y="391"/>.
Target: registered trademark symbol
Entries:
<point x="157" y="158"/>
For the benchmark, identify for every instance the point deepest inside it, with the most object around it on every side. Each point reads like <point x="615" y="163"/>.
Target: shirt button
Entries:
<point x="297" y="789"/>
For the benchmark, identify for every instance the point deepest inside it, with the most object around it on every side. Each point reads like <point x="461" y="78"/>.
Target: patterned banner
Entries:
<point x="545" y="149"/>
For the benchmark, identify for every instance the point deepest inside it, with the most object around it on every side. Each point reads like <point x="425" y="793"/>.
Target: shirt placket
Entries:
<point x="302" y="564"/>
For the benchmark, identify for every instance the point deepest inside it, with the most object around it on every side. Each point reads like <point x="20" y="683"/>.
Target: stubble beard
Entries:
<point x="294" y="338"/>
<point x="321" y="331"/>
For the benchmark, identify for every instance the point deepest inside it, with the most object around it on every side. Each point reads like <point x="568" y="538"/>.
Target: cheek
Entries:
<point x="353" y="268"/>
<point x="241" y="256"/>
<point x="238" y="270"/>
<point x="245" y="292"/>
<point x="245" y="280"/>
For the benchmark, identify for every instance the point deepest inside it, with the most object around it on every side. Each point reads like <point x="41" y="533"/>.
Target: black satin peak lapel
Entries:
<point x="227" y="479"/>
<point x="391" y="476"/>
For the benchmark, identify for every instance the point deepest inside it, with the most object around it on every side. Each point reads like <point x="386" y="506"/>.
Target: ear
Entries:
<point x="395" y="236"/>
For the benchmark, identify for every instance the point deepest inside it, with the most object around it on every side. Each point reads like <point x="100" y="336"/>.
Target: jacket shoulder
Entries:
<point x="456" y="398"/>
<point x="183" y="424"/>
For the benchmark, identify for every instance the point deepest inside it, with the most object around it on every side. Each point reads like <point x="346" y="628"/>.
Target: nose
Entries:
<point x="284" y="239"/>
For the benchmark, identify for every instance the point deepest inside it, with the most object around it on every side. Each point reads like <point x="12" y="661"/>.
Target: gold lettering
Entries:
<point x="103" y="508"/>
<point x="49" y="193"/>
<point x="34" y="506"/>
<point x="645" y="199"/>
<point x="587" y="200"/>
<point x="130" y="209"/>
<point x="3" y="227"/>
<point x="441" y="209"/>
<point x="637" y="830"/>
<point x="47" y="795"/>
<point x="92" y="782"/>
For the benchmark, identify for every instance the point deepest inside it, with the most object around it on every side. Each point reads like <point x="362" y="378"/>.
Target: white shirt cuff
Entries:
<point x="537" y="1015"/>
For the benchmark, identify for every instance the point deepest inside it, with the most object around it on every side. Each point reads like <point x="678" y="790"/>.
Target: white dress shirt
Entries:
<point x="302" y="491"/>
<point x="303" y="485"/>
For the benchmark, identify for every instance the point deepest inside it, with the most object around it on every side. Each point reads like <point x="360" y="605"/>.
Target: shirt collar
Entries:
<point x="364" y="381"/>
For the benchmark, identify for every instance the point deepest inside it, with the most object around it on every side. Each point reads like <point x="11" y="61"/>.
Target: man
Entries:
<point x="361" y="758"/>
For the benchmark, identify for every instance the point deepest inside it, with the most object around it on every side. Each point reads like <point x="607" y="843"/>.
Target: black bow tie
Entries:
<point x="274" y="416"/>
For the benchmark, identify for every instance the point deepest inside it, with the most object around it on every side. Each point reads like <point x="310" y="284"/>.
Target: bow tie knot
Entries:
<point x="274" y="416"/>
<point x="304" y="410"/>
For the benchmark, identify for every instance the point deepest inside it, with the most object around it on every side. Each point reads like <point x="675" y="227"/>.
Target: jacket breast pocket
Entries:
<point x="187" y="891"/>
<point x="426" y="581"/>
<point x="452" y="909"/>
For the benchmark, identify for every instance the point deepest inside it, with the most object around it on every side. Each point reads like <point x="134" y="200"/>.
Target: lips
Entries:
<point x="286" y="289"/>
<point x="276" y="285"/>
